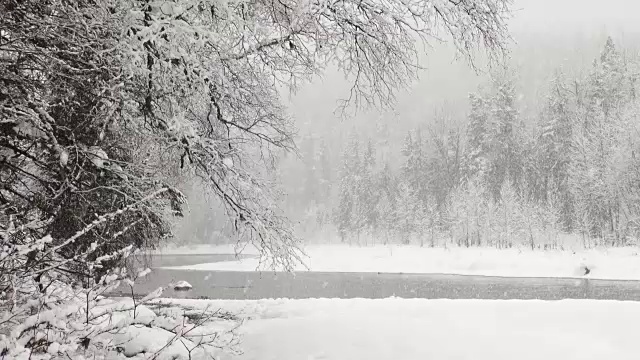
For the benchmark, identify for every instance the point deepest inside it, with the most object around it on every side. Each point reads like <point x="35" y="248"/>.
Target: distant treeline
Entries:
<point x="498" y="180"/>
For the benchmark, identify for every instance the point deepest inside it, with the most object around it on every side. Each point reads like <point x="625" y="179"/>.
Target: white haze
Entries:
<point x="547" y="35"/>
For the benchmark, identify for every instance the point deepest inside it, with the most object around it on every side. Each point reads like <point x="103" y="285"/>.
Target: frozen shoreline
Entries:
<point x="610" y="264"/>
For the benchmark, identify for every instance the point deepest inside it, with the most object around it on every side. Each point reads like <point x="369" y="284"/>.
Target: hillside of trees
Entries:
<point x="499" y="179"/>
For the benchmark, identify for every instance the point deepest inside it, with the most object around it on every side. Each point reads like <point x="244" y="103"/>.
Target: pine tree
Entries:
<point x="349" y="218"/>
<point x="507" y="130"/>
<point x="600" y="147"/>
<point x="596" y="177"/>
<point x="493" y="150"/>
<point x="415" y="169"/>
<point x="444" y="164"/>
<point x="386" y="219"/>
<point x="387" y="201"/>
<point x="554" y="150"/>
<point x="326" y="177"/>
<point x="478" y="131"/>
<point x="369" y="195"/>
<point x="609" y="85"/>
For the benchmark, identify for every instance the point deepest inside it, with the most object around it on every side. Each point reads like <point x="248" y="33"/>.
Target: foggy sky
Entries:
<point x="547" y="34"/>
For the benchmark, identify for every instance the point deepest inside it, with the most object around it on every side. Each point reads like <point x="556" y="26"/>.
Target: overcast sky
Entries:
<point x="547" y="34"/>
<point x="615" y="16"/>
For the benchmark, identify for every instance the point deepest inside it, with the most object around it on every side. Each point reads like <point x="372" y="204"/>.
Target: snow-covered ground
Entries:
<point x="228" y="249"/>
<point x="407" y="329"/>
<point x="617" y="263"/>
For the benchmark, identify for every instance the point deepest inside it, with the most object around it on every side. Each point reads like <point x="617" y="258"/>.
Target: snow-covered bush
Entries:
<point x="81" y="324"/>
<point x="52" y="308"/>
<point x="43" y="316"/>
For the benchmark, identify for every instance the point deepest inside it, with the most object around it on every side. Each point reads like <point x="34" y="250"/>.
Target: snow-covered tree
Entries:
<point x="478" y="151"/>
<point x="409" y="215"/>
<point x="444" y="166"/>
<point x="602" y="150"/>
<point x="387" y="202"/>
<point x="431" y="224"/>
<point x="554" y="147"/>
<point x="368" y="192"/>
<point x="205" y="78"/>
<point x="493" y="137"/>
<point x="349" y="219"/>
<point x="386" y="220"/>
<point x="467" y="213"/>
<point x="415" y="172"/>
<point x="509" y="217"/>
<point x="598" y="177"/>
<point x="201" y="81"/>
<point x="67" y="157"/>
<point x="609" y="86"/>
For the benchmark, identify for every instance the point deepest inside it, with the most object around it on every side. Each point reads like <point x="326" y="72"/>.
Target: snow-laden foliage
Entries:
<point x="573" y="171"/>
<point x="205" y="76"/>
<point x="48" y="311"/>
<point x="105" y="102"/>
<point x="82" y="324"/>
<point x="71" y="171"/>
<point x="107" y="106"/>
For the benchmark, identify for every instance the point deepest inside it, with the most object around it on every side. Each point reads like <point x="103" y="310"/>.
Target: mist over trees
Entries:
<point x="503" y="179"/>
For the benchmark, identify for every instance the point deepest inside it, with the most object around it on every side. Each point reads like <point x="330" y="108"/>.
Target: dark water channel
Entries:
<point x="299" y="285"/>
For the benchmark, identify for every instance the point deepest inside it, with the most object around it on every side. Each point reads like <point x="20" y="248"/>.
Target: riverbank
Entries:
<point x="608" y="264"/>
